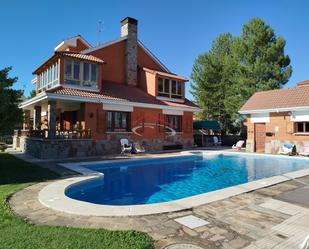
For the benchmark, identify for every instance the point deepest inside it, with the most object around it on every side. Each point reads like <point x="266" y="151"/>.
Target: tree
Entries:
<point x="212" y="76"/>
<point x="234" y="68"/>
<point x="10" y="114"/>
<point x="262" y="65"/>
<point x="32" y="94"/>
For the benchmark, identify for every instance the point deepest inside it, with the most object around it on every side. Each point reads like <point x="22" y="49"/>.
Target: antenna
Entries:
<point x="100" y="29"/>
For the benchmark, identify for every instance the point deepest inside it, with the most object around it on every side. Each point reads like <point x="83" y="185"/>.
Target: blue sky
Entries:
<point x="175" y="31"/>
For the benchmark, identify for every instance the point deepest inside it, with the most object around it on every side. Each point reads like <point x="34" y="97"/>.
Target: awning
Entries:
<point x="206" y="124"/>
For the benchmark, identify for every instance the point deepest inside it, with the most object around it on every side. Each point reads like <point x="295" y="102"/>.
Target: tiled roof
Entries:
<point x="81" y="56"/>
<point x="171" y="75"/>
<point x="281" y="98"/>
<point x="67" y="54"/>
<point x="121" y="92"/>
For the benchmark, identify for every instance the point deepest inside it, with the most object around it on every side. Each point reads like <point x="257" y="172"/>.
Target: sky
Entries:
<point x="175" y="31"/>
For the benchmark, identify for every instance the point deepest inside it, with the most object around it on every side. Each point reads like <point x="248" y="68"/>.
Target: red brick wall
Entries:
<point x="284" y="132"/>
<point x="113" y="55"/>
<point x="95" y="119"/>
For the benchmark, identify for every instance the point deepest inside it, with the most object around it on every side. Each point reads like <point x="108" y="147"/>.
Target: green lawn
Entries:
<point x="15" y="233"/>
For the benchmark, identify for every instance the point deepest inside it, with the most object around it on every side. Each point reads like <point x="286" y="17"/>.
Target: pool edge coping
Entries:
<point x="53" y="195"/>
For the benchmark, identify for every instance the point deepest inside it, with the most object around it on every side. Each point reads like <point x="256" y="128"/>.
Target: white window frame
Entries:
<point x="81" y="82"/>
<point x="169" y="93"/>
<point x="48" y="78"/>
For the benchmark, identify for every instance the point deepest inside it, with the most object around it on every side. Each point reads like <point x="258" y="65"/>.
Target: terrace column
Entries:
<point x="26" y="121"/>
<point x="37" y="118"/>
<point x="51" y="118"/>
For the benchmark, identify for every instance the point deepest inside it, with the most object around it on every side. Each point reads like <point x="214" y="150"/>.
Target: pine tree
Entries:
<point x="234" y="68"/>
<point x="10" y="114"/>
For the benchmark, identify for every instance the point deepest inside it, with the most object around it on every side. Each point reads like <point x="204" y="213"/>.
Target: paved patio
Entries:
<point x="251" y="220"/>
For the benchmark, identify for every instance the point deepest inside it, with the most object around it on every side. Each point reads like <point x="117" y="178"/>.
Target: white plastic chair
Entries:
<point x="126" y="147"/>
<point x="216" y="141"/>
<point x="305" y="151"/>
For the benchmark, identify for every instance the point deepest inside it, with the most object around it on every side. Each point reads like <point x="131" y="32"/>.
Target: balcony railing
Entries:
<point x="67" y="134"/>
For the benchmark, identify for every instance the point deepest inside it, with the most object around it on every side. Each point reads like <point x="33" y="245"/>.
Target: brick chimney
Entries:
<point x="129" y="30"/>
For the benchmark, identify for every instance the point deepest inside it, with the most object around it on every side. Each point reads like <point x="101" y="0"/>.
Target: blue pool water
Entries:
<point x="159" y="180"/>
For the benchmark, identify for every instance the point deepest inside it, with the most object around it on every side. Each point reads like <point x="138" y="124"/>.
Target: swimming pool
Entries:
<point x="159" y="180"/>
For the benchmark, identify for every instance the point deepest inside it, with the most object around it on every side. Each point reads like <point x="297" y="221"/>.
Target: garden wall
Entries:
<point x="68" y="148"/>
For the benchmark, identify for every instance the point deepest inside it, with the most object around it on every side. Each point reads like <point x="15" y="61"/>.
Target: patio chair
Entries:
<point x="216" y="141"/>
<point x="137" y="148"/>
<point x="305" y="151"/>
<point x="287" y="149"/>
<point x="126" y="147"/>
<point x="238" y="145"/>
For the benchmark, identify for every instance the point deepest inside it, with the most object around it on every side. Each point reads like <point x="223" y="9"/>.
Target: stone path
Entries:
<point x="252" y="220"/>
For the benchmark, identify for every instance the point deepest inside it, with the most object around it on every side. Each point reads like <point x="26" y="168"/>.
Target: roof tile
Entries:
<point x="80" y="56"/>
<point x="121" y="92"/>
<point x="280" y="98"/>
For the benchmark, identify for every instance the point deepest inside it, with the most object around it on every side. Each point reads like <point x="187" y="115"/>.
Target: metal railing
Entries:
<point x="66" y="134"/>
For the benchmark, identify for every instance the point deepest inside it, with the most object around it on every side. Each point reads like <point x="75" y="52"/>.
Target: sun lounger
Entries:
<point x="137" y="148"/>
<point x="238" y="145"/>
<point x="287" y="149"/>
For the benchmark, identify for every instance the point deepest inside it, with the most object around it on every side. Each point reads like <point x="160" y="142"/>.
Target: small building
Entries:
<point x="276" y="117"/>
<point x="89" y="97"/>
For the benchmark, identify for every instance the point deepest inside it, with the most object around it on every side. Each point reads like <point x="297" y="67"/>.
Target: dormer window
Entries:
<point x="169" y="88"/>
<point x="80" y="73"/>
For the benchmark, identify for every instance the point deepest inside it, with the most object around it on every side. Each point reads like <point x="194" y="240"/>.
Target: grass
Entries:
<point x="15" y="233"/>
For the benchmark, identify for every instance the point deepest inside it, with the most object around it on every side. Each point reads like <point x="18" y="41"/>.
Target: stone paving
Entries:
<point x="247" y="220"/>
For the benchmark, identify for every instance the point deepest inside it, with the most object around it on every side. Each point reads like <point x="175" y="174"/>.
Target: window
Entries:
<point x="118" y="121"/>
<point x="169" y="88"/>
<point x="302" y="127"/>
<point x="76" y="70"/>
<point x="68" y="69"/>
<point x="174" y="122"/>
<point x="160" y="85"/>
<point x="80" y="73"/>
<point x="48" y="78"/>
<point x="93" y="72"/>
<point x="86" y="72"/>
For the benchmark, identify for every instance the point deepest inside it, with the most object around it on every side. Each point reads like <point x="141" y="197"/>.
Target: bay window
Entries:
<point x="118" y="121"/>
<point x="174" y="122"/>
<point x="169" y="88"/>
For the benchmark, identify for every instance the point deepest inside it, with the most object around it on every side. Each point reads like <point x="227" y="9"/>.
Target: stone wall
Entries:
<point x="249" y="145"/>
<point x="66" y="148"/>
<point x="273" y="146"/>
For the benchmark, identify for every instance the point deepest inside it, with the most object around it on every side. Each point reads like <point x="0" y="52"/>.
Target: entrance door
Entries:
<point x="259" y="137"/>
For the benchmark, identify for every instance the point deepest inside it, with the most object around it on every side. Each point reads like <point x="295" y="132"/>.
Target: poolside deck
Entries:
<point x="264" y="218"/>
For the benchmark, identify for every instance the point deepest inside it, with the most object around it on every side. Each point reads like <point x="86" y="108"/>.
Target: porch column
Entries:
<point x="37" y="118"/>
<point x="26" y="121"/>
<point x="51" y="117"/>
